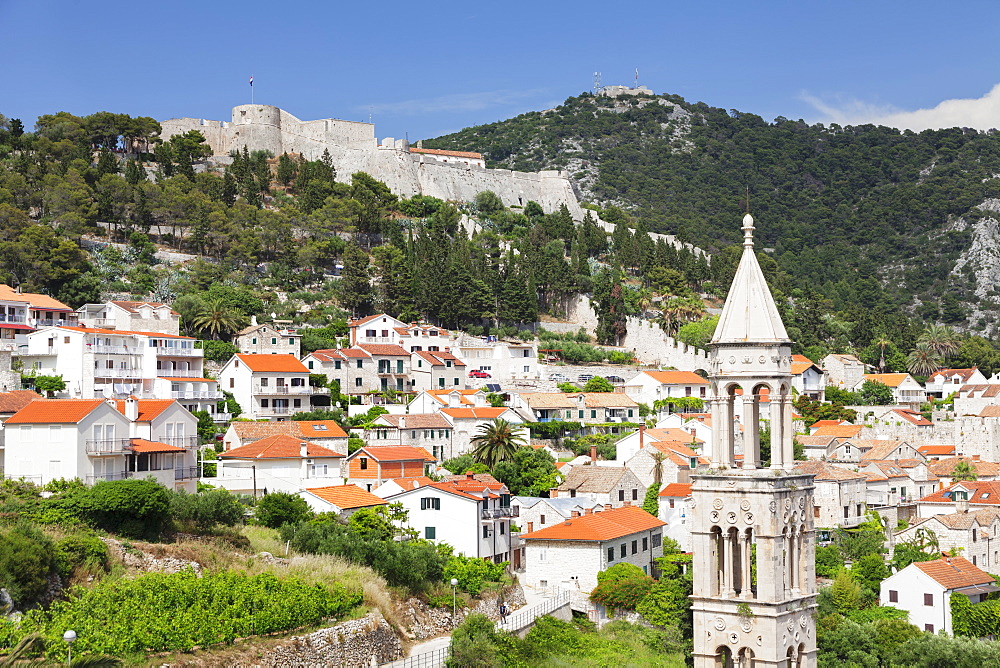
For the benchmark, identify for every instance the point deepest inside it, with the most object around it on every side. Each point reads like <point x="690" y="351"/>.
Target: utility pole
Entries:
<point x="254" y="467"/>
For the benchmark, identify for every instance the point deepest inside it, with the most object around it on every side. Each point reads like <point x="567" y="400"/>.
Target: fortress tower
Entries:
<point x="754" y="575"/>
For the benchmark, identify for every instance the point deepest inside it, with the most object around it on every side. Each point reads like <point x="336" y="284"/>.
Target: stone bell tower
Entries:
<point x="754" y="571"/>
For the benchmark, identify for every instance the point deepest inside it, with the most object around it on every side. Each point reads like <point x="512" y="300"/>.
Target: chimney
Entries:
<point x="132" y="408"/>
<point x="253" y="321"/>
<point x="553" y="493"/>
<point x="642" y="435"/>
<point x="588" y="511"/>
<point x="975" y="458"/>
<point x="575" y="513"/>
<point x="593" y="454"/>
<point x="469" y="475"/>
<point x="303" y="449"/>
<point x="402" y="422"/>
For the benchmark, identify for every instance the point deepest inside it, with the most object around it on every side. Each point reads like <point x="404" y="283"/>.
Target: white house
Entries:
<point x="571" y="553"/>
<point x="840" y="499"/>
<point x="535" y="512"/>
<point x="382" y="328"/>
<point x="94" y="440"/>
<point x="905" y="391"/>
<point x="675" y="508"/>
<point x="374" y="367"/>
<point x="646" y="387"/>
<point x="843" y="371"/>
<point x="327" y="433"/>
<point x="431" y="401"/>
<point x="23" y="312"/>
<point x="924" y="589"/>
<point x="268" y="387"/>
<point x="435" y="370"/>
<point x="345" y="500"/>
<point x="275" y="338"/>
<point x="960" y="496"/>
<point x="608" y="485"/>
<point x="505" y="362"/>
<point x="808" y="378"/>
<point x="973" y="534"/>
<point x="278" y="463"/>
<point x="131" y="316"/>
<point x="466" y="514"/>
<point x="945" y="381"/>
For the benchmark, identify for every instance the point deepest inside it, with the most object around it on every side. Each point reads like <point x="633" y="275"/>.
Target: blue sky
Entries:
<point x="424" y="69"/>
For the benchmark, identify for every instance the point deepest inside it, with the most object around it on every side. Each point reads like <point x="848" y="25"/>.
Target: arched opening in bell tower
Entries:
<point x="724" y="657"/>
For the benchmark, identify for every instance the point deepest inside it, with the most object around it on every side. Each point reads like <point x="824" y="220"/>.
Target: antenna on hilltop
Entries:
<point x="597" y="83"/>
<point x="637" y="78"/>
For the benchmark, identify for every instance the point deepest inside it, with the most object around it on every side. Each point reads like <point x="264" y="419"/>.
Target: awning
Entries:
<point x="141" y="445"/>
<point x="14" y="325"/>
<point x="976" y="589"/>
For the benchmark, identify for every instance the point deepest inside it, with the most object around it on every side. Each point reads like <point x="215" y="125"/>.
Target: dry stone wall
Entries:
<point x="352" y="643"/>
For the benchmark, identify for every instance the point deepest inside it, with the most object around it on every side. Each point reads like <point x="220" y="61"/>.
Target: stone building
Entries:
<point x="751" y="513"/>
<point x="269" y="339"/>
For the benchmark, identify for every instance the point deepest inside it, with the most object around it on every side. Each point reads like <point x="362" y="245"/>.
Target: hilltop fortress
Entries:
<point x="406" y="169"/>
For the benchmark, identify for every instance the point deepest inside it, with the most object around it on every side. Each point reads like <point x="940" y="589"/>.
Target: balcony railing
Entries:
<point x="222" y="417"/>
<point x="499" y="513"/>
<point x="185" y="473"/>
<point x="121" y="475"/>
<point x="56" y="322"/>
<point x="107" y="446"/>
<point x="179" y="352"/>
<point x="179" y="441"/>
<point x="196" y="394"/>
<point x="282" y="389"/>
<point x="180" y="373"/>
<point x="117" y="373"/>
<point x="19" y="319"/>
<point x="275" y="410"/>
<point x="111" y="350"/>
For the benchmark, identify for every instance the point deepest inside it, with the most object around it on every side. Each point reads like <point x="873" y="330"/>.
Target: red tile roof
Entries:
<point x="132" y="307"/>
<point x="987" y="493"/>
<point x="936" y="450"/>
<point x="944" y="467"/>
<point x="602" y="526"/>
<point x="55" y="411"/>
<point x="412" y="482"/>
<point x="827" y="423"/>
<point x="890" y="379"/>
<point x="676" y="377"/>
<point x="954" y="572"/>
<point x="346" y="497"/>
<point x="149" y="409"/>
<point x="475" y="413"/>
<point x="320" y="429"/>
<point x="273" y="363"/>
<point x="438" y="358"/>
<point x="676" y="489"/>
<point x="34" y="299"/>
<point x="12" y="402"/>
<point x="913" y="417"/>
<point x="142" y="445"/>
<point x="395" y="453"/>
<point x="947" y="374"/>
<point x="280" y="446"/>
<point x="839" y="431"/>
<point x="383" y="349"/>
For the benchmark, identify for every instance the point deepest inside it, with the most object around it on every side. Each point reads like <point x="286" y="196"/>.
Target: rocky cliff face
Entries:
<point x="979" y="267"/>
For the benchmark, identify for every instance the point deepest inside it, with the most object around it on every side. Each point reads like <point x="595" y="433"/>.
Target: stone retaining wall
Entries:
<point x="351" y="643"/>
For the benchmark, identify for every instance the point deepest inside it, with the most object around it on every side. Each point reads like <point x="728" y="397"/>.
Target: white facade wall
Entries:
<point x="574" y="565"/>
<point x="251" y="389"/>
<point x="427" y="376"/>
<point x="277" y="475"/>
<point x="676" y="512"/>
<point x="983" y="552"/>
<point x="504" y="362"/>
<point x="910" y="585"/>
<point x="458" y="523"/>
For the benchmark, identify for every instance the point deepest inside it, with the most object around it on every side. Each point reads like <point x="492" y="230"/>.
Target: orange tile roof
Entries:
<point x="839" y="431"/>
<point x="438" y="358"/>
<point x="383" y="349"/>
<point x="676" y="377"/>
<point x="676" y="489"/>
<point x="800" y="363"/>
<point x="819" y="424"/>
<point x="320" y="429"/>
<point x="983" y="492"/>
<point x="55" y="411"/>
<point x="149" y="409"/>
<point x="12" y="402"/>
<point x="890" y="379"/>
<point x="936" y="449"/>
<point x="412" y="482"/>
<point x="944" y="467"/>
<point x="671" y="434"/>
<point x="142" y="445"/>
<point x="945" y="374"/>
<point x="367" y="319"/>
<point x="913" y="417"/>
<point x="879" y="450"/>
<point x="132" y="306"/>
<point x="395" y="453"/>
<point x="475" y="413"/>
<point x="346" y="497"/>
<point x="273" y="363"/>
<point x="954" y="572"/>
<point x="457" y="154"/>
<point x="413" y="421"/>
<point x="34" y="299"/>
<point x="602" y="526"/>
<point x="279" y="446"/>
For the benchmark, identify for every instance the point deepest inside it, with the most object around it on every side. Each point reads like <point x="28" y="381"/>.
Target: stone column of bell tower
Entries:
<point x="753" y="537"/>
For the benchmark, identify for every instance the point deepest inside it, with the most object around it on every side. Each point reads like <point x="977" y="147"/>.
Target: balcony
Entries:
<point x="104" y="323"/>
<point x="108" y="446"/>
<point x="221" y="417"/>
<point x="180" y="373"/>
<point x="111" y="350"/>
<point x="282" y="389"/>
<point x="15" y="319"/>
<point x="275" y="410"/>
<point x="117" y="373"/>
<point x="179" y="441"/>
<point x="186" y="473"/>
<point x="56" y="322"/>
<point x="500" y="513"/>
<point x="171" y="351"/>
<point x="196" y="394"/>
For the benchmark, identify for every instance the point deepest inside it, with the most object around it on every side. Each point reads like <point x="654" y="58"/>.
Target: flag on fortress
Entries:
<point x="251" y="79"/>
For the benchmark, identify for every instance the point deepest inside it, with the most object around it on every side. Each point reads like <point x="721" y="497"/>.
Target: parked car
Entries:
<point x="584" y="377"/>
<point x="476" y="373"/>
<point x="558" y="377"/>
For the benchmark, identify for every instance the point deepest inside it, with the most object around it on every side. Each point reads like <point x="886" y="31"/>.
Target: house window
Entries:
<point x="370" y="332"/>
<point x="456" y="381"/>
<point x="893" y="596"/>
<point x="630" y="412"/>
<point x="503" y="530"/>
<point x="847" y="512"/>
<point x="364" y="463"/>
<point x="657" y="539"/>
<point x="671" y="503"/>
<point x="635" y="546"/>
<point x="399" y="366"/>
<point x="447" y="363"/>
<point x="635" y="494"/>
<point x="858" y="511"/>
<point x="263" y="403"/>
<point x="263" y="382"/>
<point x="430" y="533"/>
<point x="973" y="535"/>
<point x="291" y="342"/>
<point x="274" y="341"/>
<point x="357" y="382"/>
<point x="815" y="511"/>
<point x="645" y="543"/>
<point x="621" y="495"/>
<point x="486" y="532"/>
<point x="232" y="383"/>
<point x="611" y="554"/>
<point x="928" y="599"/>
<point x="541" y="519"/>
<point x="622" y="550"/>
<point x="430" y="503"/>
<point x="297" y="403"/>
<point x="929" y="628"/>
<point x="593" y="414"/>
<point x="527" y="369"/>
<point x="336" y="364"/>
<point x="440" y="382"/>
<point x="310" y="364"/>
<point x="361" y="364"/>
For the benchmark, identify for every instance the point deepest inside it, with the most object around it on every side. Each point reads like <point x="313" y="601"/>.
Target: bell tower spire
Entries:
<point x="755" y="515"/>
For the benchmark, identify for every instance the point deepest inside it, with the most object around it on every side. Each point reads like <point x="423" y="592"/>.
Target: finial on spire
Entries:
<point x="748" y="229"/>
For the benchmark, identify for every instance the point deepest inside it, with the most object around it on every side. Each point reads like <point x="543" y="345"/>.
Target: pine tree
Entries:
<point x="355" y="286"/>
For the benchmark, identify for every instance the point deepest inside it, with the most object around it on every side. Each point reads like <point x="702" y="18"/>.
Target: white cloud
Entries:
<point x="455" y="102"/>
<point x="982" y="113"/>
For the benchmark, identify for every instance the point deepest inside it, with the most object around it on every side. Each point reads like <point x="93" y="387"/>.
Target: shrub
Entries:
<point x="206" y="509"/>
<point x="473" y="573"/>
<point x="80" y="550"/>
<point x="280" y="508"/>
<point x="621" y="587"/>
<point x="219" y="351"/>
<point x="26" y="561"/>
<point x="131" y="508"/>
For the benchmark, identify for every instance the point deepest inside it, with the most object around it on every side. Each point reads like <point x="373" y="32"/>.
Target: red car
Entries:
<point x="475" y="373"/>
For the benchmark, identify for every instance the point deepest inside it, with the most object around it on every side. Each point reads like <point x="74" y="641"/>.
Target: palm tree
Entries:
<point x="941" y="339"/>
<point x="964" y="470"/>
<point x="924" y="360"/>
<point x="216" y="318"/>
<point x="882" y="343"/>
<point x="496" y="442"/>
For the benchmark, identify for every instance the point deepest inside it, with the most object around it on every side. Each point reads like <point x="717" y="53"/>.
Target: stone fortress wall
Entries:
<point x="353" y="147"/>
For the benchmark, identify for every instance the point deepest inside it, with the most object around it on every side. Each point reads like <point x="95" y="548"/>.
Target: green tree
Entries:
<point x="621" y="587"/>
<point x="49" y="384"/>
<point x="529" y="472"/>
<point x="846" y="592"/>
<point x="218" y="319"/>
<point x="651" y="503"/>
<point x="700" y="333"/>
<point x="132" y="508"/>
<point x="496" y="442"/>
<point x="355" y="286"/>
<point x="923" y="360"/>
<point x="964" y="470"/>
<point x="26" y="562"/>
<point x="280" y="508"/>
<point x="598" y="384"/>
<point x="874" y="393"/>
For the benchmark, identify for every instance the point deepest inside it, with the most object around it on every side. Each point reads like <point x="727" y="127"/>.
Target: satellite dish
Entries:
<point x="274" y="315"/>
